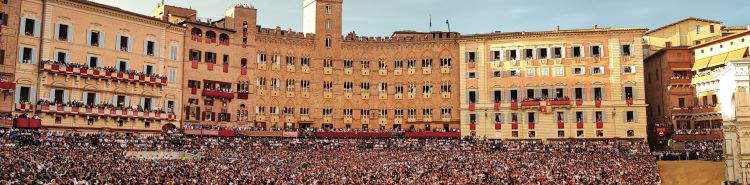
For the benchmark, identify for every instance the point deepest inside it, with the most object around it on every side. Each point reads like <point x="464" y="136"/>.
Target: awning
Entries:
<point x="701" y="63"/>
<point x="719" y="59"/>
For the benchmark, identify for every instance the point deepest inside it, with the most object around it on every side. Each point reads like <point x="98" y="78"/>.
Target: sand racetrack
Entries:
<point x="691" y="172"/>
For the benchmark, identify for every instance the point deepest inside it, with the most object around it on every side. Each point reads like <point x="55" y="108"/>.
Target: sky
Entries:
<point x="382" y="17"/>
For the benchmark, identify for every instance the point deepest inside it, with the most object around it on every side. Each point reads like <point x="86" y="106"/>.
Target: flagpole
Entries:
<point x="430" y="19"/>
<point x="449" y="25"/>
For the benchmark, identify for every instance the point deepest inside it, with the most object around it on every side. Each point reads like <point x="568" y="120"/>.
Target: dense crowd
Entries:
<point x="28" y="157"/>
<point x="710" y="150"/>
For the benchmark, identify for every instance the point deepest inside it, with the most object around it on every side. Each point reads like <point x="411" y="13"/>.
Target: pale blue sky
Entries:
<point x="382" y="17"/>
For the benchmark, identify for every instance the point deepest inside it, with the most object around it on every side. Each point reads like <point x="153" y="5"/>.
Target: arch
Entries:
<point x="196" y="31"/>
<point x="167" y="127"/>
<point x="210" y="34"/>
<point x="223" y="37"/>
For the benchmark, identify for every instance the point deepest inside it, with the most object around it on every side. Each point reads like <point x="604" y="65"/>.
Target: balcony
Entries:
<point x="560" y="124"/>
<point x="598" y="103"/>
<point x="513" y="105"/>
<point x="559" y="102"/>
<point x="472" y="64"/>
<point x="472" y="126"/>
<point x="675" y="80"/>
<point x="196" y="37"/>
<point x="498" y="126"/>
<point x="599" y="124"/>
<point x="579" y="102"/>
<point x="629" y="101"/>
<point x="695" y="110"/>
<point x="530" y="103"/>
<point x="105" y="74"/>
<point x="579" y="124"/>
<point x="27" y="123"/>
<point x="218" y="94"/>
<point x="497" y="106"/>
<point x="472" y="106"/>
<point x="532" y="125"/>
<point x="243" y="70"/>
<point x="107" y="112"/>
<point x="7" y="85"/>
<point x="243" y="95"/>
<point x="514" y="125"/>
<point x="224" y="42"/>
<point x="24" y="107"/>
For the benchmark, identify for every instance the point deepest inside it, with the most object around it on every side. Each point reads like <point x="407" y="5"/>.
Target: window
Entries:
<point x="560" y="133"/>
<point x="328" y="25"/>
<point x="625" y="50"/>
<point x="27" y="55"/>
<point x="559" y="93"/>
<point x="25" y="95"/>
<point x="172" y="74"/>
<point x="124" y="43"/>
<point x="631" y="133"/>
<point x="173" y="50"/>
<point x="697" y="29"/>
<point x="472" y="75"/>
<point x="559" y="71"/>
<point x="383" y="87"/>
<point x="579" y="70"/>
<point x="513" y="73"/>
<point x="596" y="51"/>
<point x="532" y="117"/>
<point x="577" y="51"/>
<point x="95" y="38"/>
<point x="365" y="64"/>
<point x="495" y="55"/>
<point x="697" y="42"/>
<point x="63" y="32"/>
<point x="514" y="95"/>
<point x="4" y="17"/>
<point x="328" y="41"/>
<point x="578" y="93"/>
<point x="2" y="56"/>
<point x="542" y="53"/>
<point x="328" y="9"/>
<point x="398" y="64"/>
<point x="544" y="71"/>
<point x="497" y="74"/>
<point x="597" y="70"/>
<point x="62" y="56"/>
<point x="557" y="52"/>
<point x="426" y="63"/>
<point x="681" y="102"/>
<point x="711" y="28"/>
<point x="427" y="89"/>
<point x="29" y="27"/>
<point x="598" y="93"/>
<point x="715" y="100"/>
<point x="628" y="69"/>
<point x="146" y="103"/>
<point x="528" y="54"/>
<point x="630" y="116"/>
<point x="225" y="59"/>
<point x="148" y="69"/>
<point x="93" y="61"/>
<point x="668" y="44"/>
<point x="123" y="66"/>
<point x="471" y="56"/>
<point x="530" y="71"/>
<point x="445" y="88"/>
<point x="472" y="96"/>
<point x="511" y="54"/>
<point x="628" y="92"/>
<point x="411" y="64"/>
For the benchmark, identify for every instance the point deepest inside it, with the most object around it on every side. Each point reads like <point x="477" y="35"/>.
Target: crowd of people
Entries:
<point x="28" y="157"/>
<point x="709" y="150"/>
<point x="103" y="105"/>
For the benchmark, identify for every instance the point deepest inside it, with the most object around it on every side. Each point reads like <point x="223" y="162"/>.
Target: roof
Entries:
<point x="662" y="50"/>
<point x="683" y="20"/>
<point x="570" y="31"/>
<point x="730" y="37"/>
<point x="99" y="5"/>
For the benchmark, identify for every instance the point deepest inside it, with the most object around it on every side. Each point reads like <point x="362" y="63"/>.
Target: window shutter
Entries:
<point x="17" y="95"/>
<point x="130" y="44"/>
<point x="604" y="116"/>
<point x="33" y="56"/>
<point x="32" y="95"/>
<point x="563" y="52"/>
<point x="142" y="103"/>
<point x="156" y="49"/>
<point x="88" y="37"/>
<point x="127" y="101"/>
<point x="144" y="68"/>
<point x="51" y="94"/>
<point x="102" y="38"/>
<point x="593" y="94"/>
<point x="117" y="42"/>
<point x="57" y="32"/>
<point x="85" y="97"/>
<point x="66" y="95"/>
<point x="96" y="98"/>
<point x="71" y="33"/>
<point x="22" y="27"/>
<point x="604" y="94"/>
<point x="635" y="116"/>
<point x="36" y="28"/>
<point x="20" y="54"/>
<point x="623" y="93"/>
<point x="114" y="100"/>
<point x="145" y="47"/>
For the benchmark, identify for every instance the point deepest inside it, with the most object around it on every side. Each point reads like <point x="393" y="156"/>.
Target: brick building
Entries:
<point x="274" y="78"/>
<point x="667" y="76"/>
<point x="8" y="51"/>
<point x="584" y="83"/>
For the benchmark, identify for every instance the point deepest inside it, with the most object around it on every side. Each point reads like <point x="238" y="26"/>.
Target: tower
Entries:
<point x="323" y="18"/>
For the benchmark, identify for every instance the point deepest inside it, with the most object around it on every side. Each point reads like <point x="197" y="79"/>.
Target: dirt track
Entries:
<point x="691" y="172"/>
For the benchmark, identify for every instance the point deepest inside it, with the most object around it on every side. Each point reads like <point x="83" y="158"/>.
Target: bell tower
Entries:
<point x="323" y="18"/>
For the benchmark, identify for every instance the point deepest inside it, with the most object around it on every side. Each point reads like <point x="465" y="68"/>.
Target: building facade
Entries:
<point x="9" y="11"/>
<point x="672" y="99"/>
<point x="584" y="83"/>
<point x="721" y="83"/>
<point x="273" y="78"/>
<point x="686" y="32"/>
<point x="92" y="67"/>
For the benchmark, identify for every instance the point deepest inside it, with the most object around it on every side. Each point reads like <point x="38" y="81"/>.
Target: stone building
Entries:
<point x="91" y="67"/>
<point x="584" y="83"/>
<point x="721" y="83"/>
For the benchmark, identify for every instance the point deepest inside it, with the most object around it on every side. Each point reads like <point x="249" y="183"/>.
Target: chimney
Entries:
<point x="596" y="26"/>
<point x="557" y="28"/>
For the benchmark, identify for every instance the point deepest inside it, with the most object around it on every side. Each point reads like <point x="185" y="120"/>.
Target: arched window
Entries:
<point x="196" y="32"/>
<point x="210" y="36"/>
<point x="243" y="62"/>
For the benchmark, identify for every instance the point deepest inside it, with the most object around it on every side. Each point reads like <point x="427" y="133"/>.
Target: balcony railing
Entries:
<point x="27" y="123"/>
<point x="107" y="112"/>
<point x="243" y="95"/>
<point x="694" y="110"/>
<point x="530" y="103"/>
<point x="472" y="106"/>
<point x="7" y="85"/>
<point x="24" y="107"/>
<point x="559" y="102"/>
<point x="218" y="94"/>
<point x="102" y="73"/>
